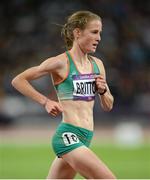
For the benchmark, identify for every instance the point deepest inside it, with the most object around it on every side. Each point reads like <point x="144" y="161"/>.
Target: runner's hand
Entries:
<point x="101" y="84"/>
<point x="52" y="107"/>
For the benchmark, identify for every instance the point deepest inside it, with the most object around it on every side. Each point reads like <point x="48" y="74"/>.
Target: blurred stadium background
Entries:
<point x="29" y="34"/>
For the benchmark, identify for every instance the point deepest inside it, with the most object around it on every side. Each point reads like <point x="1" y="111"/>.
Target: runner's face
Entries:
<point x="90" y="36"/>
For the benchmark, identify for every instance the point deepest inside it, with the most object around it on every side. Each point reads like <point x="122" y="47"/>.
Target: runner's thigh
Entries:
<point x="61" y="170"/>
<point x="85" y="162"/>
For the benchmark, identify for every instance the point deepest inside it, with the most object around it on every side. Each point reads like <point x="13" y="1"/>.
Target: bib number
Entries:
<point x="84" y="86"/>
<point x="70" y="138"/>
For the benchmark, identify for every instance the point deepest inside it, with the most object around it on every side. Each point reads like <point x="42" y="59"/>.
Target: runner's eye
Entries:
<point x="95" y="32"/>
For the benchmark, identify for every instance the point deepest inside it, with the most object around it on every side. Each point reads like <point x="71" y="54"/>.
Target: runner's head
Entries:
<point x="77" y="23"/>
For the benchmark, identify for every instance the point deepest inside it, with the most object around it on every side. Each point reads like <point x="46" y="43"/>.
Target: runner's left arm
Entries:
<point x="104" y="93"/>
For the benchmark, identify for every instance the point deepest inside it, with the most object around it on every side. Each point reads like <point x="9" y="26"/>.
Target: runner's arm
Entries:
<point x="104" y="93"/>
<point x="22" y="81"/>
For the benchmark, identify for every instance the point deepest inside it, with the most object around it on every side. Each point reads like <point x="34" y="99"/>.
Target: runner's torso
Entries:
<point x="77" y="93"/>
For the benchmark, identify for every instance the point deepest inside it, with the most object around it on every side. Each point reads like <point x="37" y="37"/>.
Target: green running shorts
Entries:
<point x="69" y="137"/>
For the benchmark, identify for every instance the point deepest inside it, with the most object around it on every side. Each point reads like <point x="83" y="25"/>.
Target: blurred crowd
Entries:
<point x="30" y="32"/>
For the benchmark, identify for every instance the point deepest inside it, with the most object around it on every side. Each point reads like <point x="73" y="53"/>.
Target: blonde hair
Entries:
<point x="79" y="20"/>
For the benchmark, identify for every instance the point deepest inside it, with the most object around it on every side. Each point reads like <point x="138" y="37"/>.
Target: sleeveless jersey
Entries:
<point x="77" y="86"/>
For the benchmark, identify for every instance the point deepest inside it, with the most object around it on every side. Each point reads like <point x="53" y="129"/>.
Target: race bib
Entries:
<point x="84" y="86"/>
<point x="70" y="138"/>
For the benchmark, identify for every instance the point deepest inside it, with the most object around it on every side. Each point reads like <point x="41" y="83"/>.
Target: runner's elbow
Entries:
<point x="15" y="81"/>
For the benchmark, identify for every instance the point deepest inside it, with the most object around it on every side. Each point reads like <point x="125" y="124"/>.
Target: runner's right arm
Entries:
<point x="22" y="83"/>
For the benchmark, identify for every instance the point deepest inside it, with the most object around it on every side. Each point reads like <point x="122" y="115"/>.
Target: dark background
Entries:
<point x="30" y="33"/>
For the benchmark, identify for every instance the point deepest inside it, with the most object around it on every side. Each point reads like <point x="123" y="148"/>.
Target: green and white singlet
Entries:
<point x="78" y="86"/>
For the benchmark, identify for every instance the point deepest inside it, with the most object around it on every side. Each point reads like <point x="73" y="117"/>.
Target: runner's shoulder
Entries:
<point x="54" y="62"/>
<point x="98" y="61"/>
